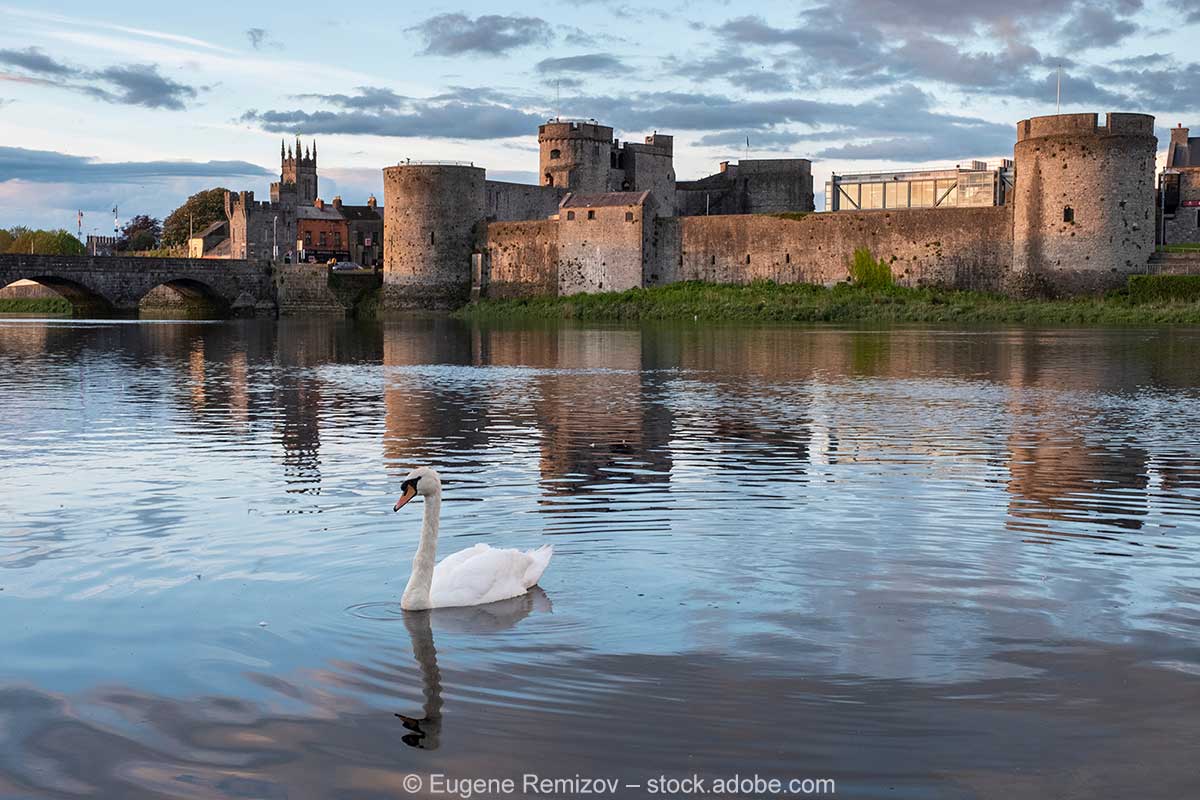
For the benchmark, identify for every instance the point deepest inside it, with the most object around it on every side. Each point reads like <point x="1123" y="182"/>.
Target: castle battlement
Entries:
<point x="1115" y="124"/>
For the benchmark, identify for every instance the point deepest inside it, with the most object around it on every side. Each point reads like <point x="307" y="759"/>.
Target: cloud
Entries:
<point x="593" y="63"/>
<point x="142" y="85"/>
<point x="32" y="59"/>
<point x="1095" y="26"/>
<point x="732" y="66"/>
<point x="257" y="37"/>
<point x="127" y="84"/>
<point x="462" y="113"/>
<point x="490" y="34"/>
<point x="776" y="140"/>
<point x="49" y="166"/>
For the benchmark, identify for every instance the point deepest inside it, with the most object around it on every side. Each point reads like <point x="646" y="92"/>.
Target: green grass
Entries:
<point x="769" y="302"/>
<point x="1179" y="248"/>
<point x="34" y="305"/>
<point x="1164" y="288"/>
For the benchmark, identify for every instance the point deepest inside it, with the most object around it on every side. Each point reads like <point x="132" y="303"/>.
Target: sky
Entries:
<point x="138" y="105"/>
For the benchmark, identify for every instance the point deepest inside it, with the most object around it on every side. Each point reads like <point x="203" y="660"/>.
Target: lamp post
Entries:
<point x="275" y="238"/>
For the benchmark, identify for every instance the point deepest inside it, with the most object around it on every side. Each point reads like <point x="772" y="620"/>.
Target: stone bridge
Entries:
<point x="102" y="285"/>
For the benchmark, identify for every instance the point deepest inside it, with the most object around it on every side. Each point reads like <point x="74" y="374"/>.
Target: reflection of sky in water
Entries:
<point x="762" y="516"/>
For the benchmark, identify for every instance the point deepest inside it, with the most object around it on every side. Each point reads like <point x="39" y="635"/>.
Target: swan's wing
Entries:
<point x="481" y="574"/>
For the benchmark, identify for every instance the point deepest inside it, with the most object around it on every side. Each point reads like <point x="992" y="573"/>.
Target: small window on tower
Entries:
<point x="556" y="154"/>
<point x="591" y="214"/>
<point x="431" y="237"/>
<point x="570" y="215"/>
<point x="1068" y="214"/>
<point x="629" y="216"/>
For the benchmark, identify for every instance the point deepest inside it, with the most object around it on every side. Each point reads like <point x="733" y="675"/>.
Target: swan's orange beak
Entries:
<point x="410" y="492"/>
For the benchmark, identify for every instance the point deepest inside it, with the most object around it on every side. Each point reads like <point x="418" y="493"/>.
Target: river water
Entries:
<point x="924" y="563"/>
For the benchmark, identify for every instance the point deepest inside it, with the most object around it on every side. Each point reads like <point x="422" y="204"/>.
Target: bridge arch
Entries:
<point x="85" y="301"/>
<point x="186" y="298"/>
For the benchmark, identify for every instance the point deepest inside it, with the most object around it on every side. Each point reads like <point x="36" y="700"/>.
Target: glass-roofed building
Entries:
<point x="977" y="185"/>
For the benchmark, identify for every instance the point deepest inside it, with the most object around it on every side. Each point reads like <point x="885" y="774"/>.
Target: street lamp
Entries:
<point x="275" y="238"/>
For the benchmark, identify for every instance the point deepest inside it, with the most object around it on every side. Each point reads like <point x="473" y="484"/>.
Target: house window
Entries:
<point x="1068" y="214"/>
<point x="358" y="237"/>
<point x="549" y="179"/>
<point x="556" y="154"/>
<point x="570" y="215"/>
<point x="322" y="238"/>
<point x="591" y="214"/>
<point x="629" y="216"/>
<point x="337" y="238"/>
<point x="307" y="239"/>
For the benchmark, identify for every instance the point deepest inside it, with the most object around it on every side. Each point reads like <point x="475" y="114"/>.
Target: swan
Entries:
<point x="471" y="577"/>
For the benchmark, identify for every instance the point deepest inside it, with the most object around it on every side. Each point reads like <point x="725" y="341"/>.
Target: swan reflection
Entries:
<point x="425" y="731"/>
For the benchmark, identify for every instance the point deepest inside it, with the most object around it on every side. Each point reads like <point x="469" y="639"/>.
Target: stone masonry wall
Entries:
<point x="522" y="259"/>
<point x="1184" y="227"/>
<point x="604" y="254"/>
<point x="521" y="201"/>
<point x="968" y="248"/>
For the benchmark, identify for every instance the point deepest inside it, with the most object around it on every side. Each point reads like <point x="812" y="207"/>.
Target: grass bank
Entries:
<point x="769" y="302"/>
<point x="34" y="305"/>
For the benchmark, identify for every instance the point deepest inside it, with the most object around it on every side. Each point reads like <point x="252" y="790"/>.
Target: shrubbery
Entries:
<point x="865" y="271"/>
<point x="1157" y="288"/>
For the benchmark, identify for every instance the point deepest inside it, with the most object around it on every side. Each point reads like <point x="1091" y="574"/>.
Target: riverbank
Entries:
<point x="768" y="302"/>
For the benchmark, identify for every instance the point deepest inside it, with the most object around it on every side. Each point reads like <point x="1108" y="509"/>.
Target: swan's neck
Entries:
<point x="416" y="594"/>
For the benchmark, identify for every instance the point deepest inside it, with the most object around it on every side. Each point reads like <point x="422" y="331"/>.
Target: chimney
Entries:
<point x="319" y="203"/>
<point x="724" y="166"/>
<point x="337" y="201"/>
<point x="372" y="202"/>
<point x="1179" y="135"/>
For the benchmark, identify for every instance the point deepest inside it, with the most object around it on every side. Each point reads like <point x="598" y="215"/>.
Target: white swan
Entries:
<point x="471" y="577"/>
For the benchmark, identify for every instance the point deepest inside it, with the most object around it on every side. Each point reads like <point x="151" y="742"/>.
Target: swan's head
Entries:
<point x="421" y="481"/>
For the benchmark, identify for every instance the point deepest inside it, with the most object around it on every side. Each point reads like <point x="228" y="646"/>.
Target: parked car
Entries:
<point x="344" y="265"/>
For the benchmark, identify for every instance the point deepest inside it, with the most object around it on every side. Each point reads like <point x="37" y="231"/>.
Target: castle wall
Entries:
<point x="1084" y="201"/>
<point x="607" y="253"/>
<point x="432" y="214"/>
<point x="650" y="167"/>
<point x="522" y="259"/>
<point x="521" y="201"/>
<point x="967" y="248"/>
<point x="776" y="185"/>
<point x="1184" y="226"/>
<point x="583" y="160"/>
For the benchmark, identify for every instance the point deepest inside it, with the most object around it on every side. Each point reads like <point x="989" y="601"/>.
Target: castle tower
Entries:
<point x="300" y="170"/>
<point x="431" y="219"/>
<point x="1084" y="201"/>
<point x="576" y="156"/>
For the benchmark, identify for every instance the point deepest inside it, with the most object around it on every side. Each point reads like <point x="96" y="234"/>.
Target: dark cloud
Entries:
<point x="447" y="116"/>
<point x="761" y="140"/>
<point x="257" y="37"/>
<point x="490" y="34"/>
<point x="732" y="66"/>
<point x="593" y="63"/>
<point x="48" y="166"/>
<point x="127" y="84"/>
<point x="1095" y="26"/>
<point x="369" y="98"/>
<point x="141" y="85"/>
<point x="34" y="60"/>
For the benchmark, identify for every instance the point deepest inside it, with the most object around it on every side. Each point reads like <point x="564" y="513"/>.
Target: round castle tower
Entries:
<point x="1084" y="201"/>
<point x="430" y="220"/>
<point x="575" y="155"/>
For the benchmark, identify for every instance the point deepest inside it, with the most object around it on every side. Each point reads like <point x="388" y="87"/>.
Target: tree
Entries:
<point x="140" y="233"/>
<point x="38" y="242"/>
<point x="201" y="210"/>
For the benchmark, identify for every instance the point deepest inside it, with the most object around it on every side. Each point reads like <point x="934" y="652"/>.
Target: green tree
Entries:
<point x="140" y="233"/>
<point x="201" y="210"/>
<point x="38" y="242"/>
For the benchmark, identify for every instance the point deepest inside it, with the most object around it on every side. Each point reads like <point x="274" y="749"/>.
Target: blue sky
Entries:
<point x="140" y="104"/>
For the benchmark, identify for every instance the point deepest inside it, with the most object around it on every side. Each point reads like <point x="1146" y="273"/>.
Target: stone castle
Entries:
<point x="610" y="216"/>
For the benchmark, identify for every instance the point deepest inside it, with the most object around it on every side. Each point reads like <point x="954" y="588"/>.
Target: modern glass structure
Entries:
<point x="977" y="185"/>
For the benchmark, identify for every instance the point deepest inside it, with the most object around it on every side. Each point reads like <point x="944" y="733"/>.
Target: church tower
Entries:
<point x="300" y="170"/>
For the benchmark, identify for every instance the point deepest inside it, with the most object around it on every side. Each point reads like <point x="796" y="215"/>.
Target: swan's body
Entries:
<point x="471" y="577"/>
